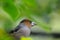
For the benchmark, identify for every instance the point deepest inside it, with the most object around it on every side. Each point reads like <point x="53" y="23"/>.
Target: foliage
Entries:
<point x="40" y="11"/>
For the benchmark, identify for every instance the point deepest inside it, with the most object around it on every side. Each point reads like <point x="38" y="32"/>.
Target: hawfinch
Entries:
<point x="23" y="29"/>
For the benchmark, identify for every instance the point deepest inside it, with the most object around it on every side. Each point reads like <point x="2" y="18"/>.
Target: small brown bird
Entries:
<point x="23" y="29"/>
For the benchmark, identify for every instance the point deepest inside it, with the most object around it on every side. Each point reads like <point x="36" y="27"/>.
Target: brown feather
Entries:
<point x="27" y="23"/>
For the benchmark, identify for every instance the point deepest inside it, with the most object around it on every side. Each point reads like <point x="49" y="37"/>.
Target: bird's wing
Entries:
<point x="15" y="30"/>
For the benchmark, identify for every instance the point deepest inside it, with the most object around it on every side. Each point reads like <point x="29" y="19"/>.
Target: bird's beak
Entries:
<point x="33" y="23"/>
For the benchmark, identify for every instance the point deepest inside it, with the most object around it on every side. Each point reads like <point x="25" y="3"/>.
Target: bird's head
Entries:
<point x="28" y="23"/>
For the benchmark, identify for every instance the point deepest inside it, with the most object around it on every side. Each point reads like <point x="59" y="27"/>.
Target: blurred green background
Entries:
<point x="45" y="13"/>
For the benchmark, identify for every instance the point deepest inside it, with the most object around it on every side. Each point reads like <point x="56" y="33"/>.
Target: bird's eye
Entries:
<point x="33" y="23"/>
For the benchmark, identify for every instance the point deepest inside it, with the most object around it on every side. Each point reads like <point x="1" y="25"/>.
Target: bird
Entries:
<point x="23" y="29"/>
